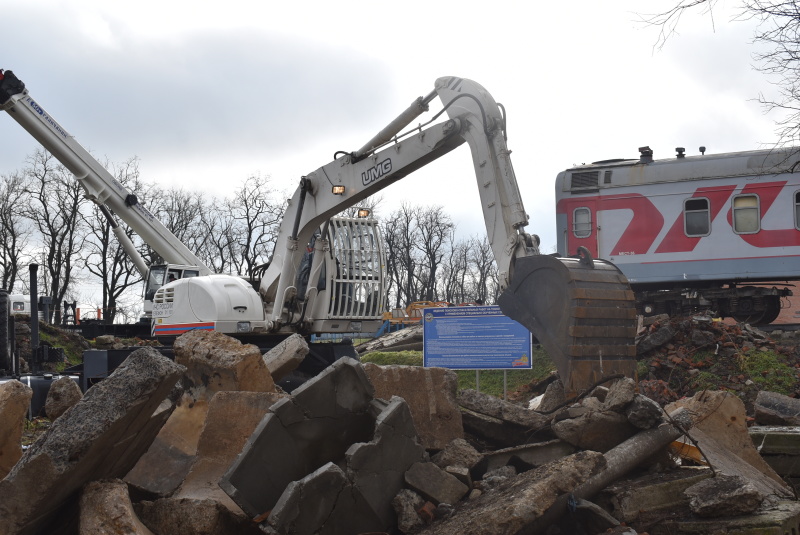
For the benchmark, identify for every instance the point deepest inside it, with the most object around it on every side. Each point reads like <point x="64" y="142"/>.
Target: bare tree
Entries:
<point x="14" y="231"/>
<point x="485" y="284"/>
<point x="219" y="228"/>
<point x="455" y="272"/>
<point x="402" y="261"/>
<point x="256" y="219"/>
<point x="779" y="31"/>
<point x="105" y="258"/>
<point x="435" y="228"/>
<point x="669" y="20"/>
<point x="56" y="202"/>
<point x="182" y="212"/>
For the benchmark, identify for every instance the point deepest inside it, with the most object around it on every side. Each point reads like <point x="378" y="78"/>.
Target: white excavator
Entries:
<point x="327" y="273"/>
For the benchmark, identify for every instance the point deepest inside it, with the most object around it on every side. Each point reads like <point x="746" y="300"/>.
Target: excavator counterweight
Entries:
<point x="581" y="310"/>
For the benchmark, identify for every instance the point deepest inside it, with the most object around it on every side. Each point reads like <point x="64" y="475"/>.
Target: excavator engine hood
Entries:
<point x="581" y="310"/>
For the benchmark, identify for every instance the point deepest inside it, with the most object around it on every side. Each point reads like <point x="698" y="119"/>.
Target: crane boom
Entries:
<point x="100" y="186"/>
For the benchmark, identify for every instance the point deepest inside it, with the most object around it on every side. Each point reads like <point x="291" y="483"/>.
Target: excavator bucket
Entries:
<point x="581" y="310"/>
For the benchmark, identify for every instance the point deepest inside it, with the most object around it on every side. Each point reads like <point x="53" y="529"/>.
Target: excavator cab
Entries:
<point x="581" y="310"/>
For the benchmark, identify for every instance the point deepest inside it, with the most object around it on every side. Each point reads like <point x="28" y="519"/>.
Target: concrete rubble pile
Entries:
<point x="208" y="444"/>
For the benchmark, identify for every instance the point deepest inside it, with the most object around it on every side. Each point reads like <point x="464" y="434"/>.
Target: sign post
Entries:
<point x="474" y="338"/>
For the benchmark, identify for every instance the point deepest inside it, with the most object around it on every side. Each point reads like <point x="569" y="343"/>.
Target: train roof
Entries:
<point x="625" y="172"/>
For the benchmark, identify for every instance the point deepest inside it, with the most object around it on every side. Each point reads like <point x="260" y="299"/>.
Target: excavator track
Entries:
<point x="581" y="310"/>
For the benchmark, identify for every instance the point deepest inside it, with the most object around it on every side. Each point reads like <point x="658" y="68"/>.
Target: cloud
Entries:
<point x="221" y="94"/>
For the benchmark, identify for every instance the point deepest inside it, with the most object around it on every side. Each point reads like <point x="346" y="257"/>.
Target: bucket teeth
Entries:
<point x="583" y="314"/>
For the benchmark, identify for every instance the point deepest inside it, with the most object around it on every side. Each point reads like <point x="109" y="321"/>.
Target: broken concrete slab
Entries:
<point x="286" y="356"/>
<point x="620" y="394"/>
<point x="779" y="519"/>
<point x="723" y="495"/>
<point x="99" y="438"/>
<point x="334" y="439"/>
<point x="532" y="455"/>
<point x="776" y="440"/>
<point x="628" y="499"/>
<point x="64" y="392"/>
<point x="221" y="441"/>
<point x="621" y="460"/>
<point x="720" y="430"/>
<point x="554" y="396"/>
<point x="434" y="484"/>
<point x="214" y="363"/>
<point x="784" y="465"/>
<point x="501" y="423"/>
<point x="411" y="334"/>
<point x="405" y="505"/>
<point x="772" y="408"/>
<point x="588" y="517"/>
<point x="219" y="362"/>
<point x="376" y="467"/>
<point x="643" y="412"/>
<point x="461" y="473"/>
<point x="430" y="394"/>
<point x="106" y="509"/>
<point x="15" y="400"/>
<point x="520" y="500"/>
<point x="496" y="433"/>
<point x="317" y="425"/>
<point x="657" y="338"/>
<point x="325" y="503"/>
<point x="188" y="516"/>
<point x="503" y="410"/>
<point x="457" y="452"/>
<point x="595" y="430"/>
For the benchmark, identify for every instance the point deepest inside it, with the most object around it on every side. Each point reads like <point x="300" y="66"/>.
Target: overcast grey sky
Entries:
<point x="207" y="93"/>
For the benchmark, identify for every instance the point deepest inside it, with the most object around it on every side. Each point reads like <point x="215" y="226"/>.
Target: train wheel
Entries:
<point x="773" y="309"/>
<point x="746" y="312"/>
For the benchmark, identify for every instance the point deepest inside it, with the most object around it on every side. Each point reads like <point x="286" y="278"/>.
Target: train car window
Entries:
<point x="582" y="222"/>
<point x="797" y="210"/>
<point x="696" y="217"/>
<point x="607" y="177"/>
<point x="746" y="214"/>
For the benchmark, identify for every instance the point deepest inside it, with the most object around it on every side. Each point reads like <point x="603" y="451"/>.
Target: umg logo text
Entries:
<point x="375" y="172"/>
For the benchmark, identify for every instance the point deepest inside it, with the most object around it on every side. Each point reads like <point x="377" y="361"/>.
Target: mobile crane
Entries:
<point x="327" y="274"/>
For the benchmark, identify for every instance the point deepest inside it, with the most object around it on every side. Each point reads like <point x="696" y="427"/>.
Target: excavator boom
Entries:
<point x="582" y="311"/>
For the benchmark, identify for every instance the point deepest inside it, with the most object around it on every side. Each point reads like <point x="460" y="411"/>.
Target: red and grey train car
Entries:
<point x="708" y="232"/>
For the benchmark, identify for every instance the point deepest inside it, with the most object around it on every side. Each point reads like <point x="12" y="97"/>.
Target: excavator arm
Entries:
<point x="581" y="310"/>
<point x="474" y="118"/>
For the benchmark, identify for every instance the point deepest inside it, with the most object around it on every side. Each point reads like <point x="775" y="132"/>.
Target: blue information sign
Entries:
<point x="474" y="338"/>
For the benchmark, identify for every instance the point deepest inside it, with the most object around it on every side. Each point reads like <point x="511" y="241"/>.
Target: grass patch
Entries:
<point x="707" y="381"/>
<point x="768" y="370"/>
<point x="73" y="345"/>
<point x="491" y="381"/>
<point x="399" y="358"/>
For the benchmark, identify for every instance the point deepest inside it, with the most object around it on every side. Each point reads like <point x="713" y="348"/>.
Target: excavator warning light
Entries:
<point x="338" y="190"/>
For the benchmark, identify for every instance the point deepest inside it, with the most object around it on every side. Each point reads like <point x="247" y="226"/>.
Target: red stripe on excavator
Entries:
<point x="181" y="328"/>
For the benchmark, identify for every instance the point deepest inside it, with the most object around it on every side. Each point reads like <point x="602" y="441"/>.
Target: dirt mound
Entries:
<point x="681" y="356"/>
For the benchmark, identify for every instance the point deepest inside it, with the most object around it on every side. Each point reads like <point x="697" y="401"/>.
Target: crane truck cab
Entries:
<point x="160" y="274"/>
